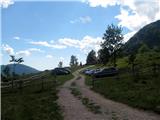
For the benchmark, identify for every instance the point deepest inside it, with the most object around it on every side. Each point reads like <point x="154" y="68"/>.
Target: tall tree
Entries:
<point x="113" y="41"/>
<point x="19" y="60"/>
<point x="103" y="56"/>
<point x="73" y="61"/>
<point x="60" y="64"/>
<point x="91" y="58"/>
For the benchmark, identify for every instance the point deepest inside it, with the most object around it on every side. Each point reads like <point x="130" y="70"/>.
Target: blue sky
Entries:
<point x="45" y="33"/>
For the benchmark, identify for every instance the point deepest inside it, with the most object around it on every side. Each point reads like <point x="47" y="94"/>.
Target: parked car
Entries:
<point x="84" y="71"/>
<point x="91" y="71"/>
<point x="106" y="72"/>
<point x="68" y="69"/>
<point x="60" y="71"/>
<point x="97" y="70"/>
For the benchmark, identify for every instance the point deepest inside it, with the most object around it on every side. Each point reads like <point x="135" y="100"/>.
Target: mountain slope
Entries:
<point x="20" y="69"/>
<point x="149" y="35"/>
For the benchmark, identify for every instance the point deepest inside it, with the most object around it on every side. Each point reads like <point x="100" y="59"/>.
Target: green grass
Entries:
<point x="33" y="102"/>
<point x="76" y="92"/>
<point x="122" y="62"/>
<point x="63" y="78"/>
<point x="142" y="92"/>
<point x="91" y="105"/>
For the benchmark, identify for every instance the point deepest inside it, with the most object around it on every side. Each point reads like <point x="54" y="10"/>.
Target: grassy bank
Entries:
<point x="142" y="92"/>
<point x="33" y="102"/>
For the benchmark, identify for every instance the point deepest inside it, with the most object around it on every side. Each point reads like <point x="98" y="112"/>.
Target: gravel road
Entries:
<point x="73" y="108"/>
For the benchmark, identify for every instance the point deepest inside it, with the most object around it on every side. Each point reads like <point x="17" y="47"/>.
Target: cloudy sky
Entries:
<point x="45" y="33"/>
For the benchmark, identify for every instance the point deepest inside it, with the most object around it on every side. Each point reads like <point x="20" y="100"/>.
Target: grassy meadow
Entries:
<point x="34" y="101"/>
<point x="141" y="90"/>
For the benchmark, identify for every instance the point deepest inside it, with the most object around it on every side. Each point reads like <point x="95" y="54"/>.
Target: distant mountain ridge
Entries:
<point x="20" y="69"/>
<point x="149" y="35"/>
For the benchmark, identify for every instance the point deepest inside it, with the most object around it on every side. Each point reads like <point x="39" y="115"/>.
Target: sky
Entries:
<point x="46" y="32"/>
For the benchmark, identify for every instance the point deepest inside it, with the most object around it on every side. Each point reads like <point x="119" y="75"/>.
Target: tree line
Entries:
<point x="73" y="62"/>
<point x="110" y="47"/>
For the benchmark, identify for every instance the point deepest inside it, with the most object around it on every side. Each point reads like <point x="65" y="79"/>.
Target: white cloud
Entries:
<point x="36" y="50"/>
<point x="8" y="49"/>
<point x="6" y="3"/>
<point x="139" y="14"/>
<point x="58" y="46"/>
<point x="69" y="42"/>
<point x="42" y="43"/>
<point x="23" y="53"/>
<point x="132" y="22"/>
<point x="134" y="14"/>
<point x="86" y="44"/>
<point x="102" y="3"/>
<point x="158" y="15"/>
<point x="73" y="21"/>
<point x="46" y="44"/>
<point x="52" y="41"/>
<point x="62" y="59"/>
<point x="84" y="20"/>
<point x="28" y="52"/>
<point x="49" y="56"/>
<point x="16" y="38"/>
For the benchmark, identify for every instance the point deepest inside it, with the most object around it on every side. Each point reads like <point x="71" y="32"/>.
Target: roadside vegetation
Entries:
<point x="138" y="81"/>
<point x="34" y="96"/>
<point x="35" y="101"/>
<point x="143" y="92"/>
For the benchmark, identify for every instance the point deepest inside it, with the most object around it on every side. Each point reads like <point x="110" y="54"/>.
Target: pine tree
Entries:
<point x="91" y="58"/>
<point x="73" y="61"/>
<point x="113" y="41"/>
<point x="60" y="64"/>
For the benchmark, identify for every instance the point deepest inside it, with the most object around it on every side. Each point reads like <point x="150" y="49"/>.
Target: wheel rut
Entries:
<point x="74" y="109"/>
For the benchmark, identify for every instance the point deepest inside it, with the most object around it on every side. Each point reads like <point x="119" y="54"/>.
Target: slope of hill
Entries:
<point x="149" y="35"/>
<point x="20" y="69"/>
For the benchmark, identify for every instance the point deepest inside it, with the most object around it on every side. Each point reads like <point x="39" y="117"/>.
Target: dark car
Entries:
<point x="67" y="69"/>
<point x="60" y="71"/>
<point x="106" y="72"/>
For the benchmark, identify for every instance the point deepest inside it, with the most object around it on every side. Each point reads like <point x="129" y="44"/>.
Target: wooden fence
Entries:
<point x="153" y="70"/>
<point x="22" y="82"/>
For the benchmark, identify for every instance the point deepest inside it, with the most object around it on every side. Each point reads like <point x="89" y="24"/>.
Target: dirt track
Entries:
<point x="73" y="108"/>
